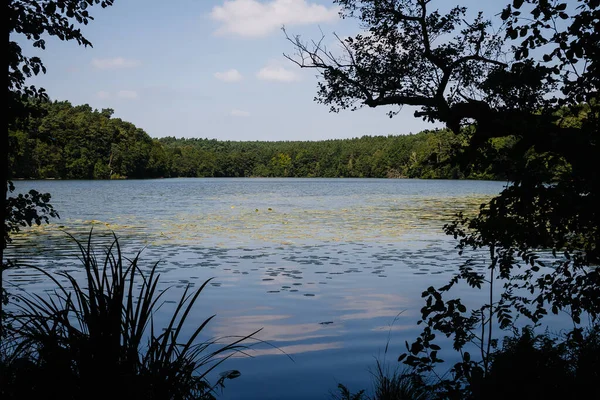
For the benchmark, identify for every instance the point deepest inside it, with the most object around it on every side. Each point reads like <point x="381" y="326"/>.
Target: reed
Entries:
<point x="398" y="384"/>
<point x="99" y="340"/>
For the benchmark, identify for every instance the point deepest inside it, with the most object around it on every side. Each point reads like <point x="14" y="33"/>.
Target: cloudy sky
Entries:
<point x="210" y="69"/>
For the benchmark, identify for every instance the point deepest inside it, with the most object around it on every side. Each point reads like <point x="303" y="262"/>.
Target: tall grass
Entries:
<point x="398" y="384"/>
<point x="389" y="383"/>
<point x="99" y="340"/>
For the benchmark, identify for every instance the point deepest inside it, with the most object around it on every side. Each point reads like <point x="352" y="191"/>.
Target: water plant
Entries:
<point x="99" y="340"/>
<point x="398" y="384"/>
<point x="389" y="384"/>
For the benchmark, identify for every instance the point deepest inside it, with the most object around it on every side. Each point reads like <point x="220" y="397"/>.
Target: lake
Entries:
<point x="330" y="269"/>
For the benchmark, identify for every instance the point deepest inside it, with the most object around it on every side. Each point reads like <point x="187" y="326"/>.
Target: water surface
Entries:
<point x="330" y="269"/>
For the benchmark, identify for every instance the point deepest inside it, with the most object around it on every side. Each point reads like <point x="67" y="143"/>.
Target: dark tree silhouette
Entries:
<point x="533" y="80"/>
<point x="462" y="72"/>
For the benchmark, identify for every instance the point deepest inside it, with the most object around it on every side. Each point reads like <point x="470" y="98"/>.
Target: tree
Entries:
<point x="534" y="83"/>
<point x="32" y="19"/>
<point x="78" y="142"/>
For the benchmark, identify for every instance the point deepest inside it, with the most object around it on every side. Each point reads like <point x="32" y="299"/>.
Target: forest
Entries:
<point x="77" y="142"/>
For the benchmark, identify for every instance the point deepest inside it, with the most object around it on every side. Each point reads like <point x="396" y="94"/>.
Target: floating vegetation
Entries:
<point x="389" y="220"/>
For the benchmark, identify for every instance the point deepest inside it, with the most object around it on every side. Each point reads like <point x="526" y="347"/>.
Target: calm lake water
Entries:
<point x="330" y="269"/>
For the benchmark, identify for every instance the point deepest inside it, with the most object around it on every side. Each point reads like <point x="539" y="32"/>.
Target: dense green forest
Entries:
<point x="78" y="142"/>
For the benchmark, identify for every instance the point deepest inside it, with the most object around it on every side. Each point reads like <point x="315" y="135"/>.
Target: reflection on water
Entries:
<point x="322" y="266"/>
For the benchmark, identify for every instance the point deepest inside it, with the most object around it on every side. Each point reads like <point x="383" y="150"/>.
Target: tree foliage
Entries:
<point x="27" y="209"/>
<point x="77" y="142"/>
<point x="36" y="20"/>
<point x="80" y="143"/>
<point x="532" y="81"/>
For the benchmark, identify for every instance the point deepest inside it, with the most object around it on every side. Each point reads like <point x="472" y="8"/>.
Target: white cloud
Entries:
<point x="251" y="18"/>
<point x="231" y="75"/>
<point x="103" y="94"/>
<point x="114" y="63"/>
<point x="274" y="72"/>
<point x="239" y="113"/>
<point x="127" y="94"/>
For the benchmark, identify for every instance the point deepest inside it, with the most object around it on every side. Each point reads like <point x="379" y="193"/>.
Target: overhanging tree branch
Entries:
<point x="396" y="63"/>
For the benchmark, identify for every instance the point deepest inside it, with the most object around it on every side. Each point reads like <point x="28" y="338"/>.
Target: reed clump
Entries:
<point x="98" y="339"/>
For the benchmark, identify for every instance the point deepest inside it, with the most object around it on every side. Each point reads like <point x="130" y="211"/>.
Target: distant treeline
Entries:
<point x="77" y="142"/>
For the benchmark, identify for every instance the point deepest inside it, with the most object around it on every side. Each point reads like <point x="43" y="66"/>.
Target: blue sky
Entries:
<point x="211" y="69"/>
